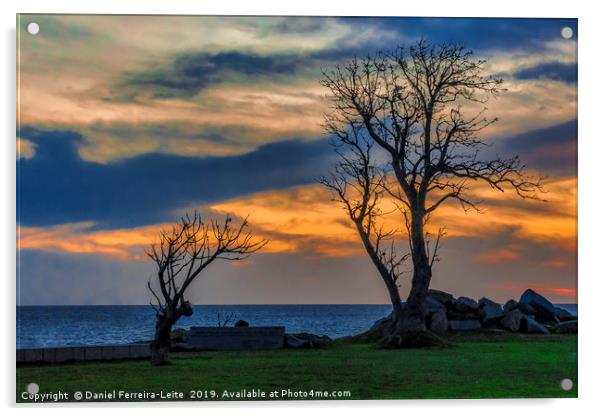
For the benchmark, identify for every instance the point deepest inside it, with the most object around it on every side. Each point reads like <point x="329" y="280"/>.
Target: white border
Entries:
<point x="590" y="151"/>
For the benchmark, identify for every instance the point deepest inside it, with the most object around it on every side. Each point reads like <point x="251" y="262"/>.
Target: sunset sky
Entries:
<point x="127" y="122"/>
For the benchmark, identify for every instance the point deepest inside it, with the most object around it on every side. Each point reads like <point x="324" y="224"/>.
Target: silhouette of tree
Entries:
<point x="181" y="254"/>
<point x="409" y="104"/>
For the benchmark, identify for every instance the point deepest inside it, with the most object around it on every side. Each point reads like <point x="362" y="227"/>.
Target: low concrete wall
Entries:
<point x="93" y="353"/>
<point x="243" y="338"/>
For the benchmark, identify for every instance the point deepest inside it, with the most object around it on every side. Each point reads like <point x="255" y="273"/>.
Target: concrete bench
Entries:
<point x="235" y="339"/>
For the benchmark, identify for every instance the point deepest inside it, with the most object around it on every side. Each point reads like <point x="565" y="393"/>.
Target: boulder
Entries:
<point x="526" y="309"/>
<point x="510" y="305"/>
<point x="433" y="305"/>
<point x="438" y="322"/>
<point x="530" y="325"/>
<point x="511" y="320"/>
<point x="466" y="325"/>
<point x="306" y="340"/>
<point x="490" y="312"/>
<point x="291" y="341"/>
<point x="543" y="308"/>
<point x="445" y="298"/>
<point x="241" y="323"/>
<point x="566" y="327"/>
<point x="453" y="314"/>
<point x="564" y="315"/>
<point x="464" y="304"/>
<point x="382" y="321"/>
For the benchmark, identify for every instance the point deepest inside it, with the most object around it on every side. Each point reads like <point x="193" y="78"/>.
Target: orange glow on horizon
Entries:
<point x="305" y="220"/>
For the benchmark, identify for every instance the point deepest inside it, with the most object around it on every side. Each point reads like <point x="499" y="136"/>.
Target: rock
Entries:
<point x="291" y="341"/>
<point x="306" y="340"/>
<point x="433" y="305"/>
<point x="526" y="309"/>
<point x="466" y="325"/>
<point x="445" y="298"/>
<point x="531" y="326"/>
<point x="464" y="304"/>
<point x="564" y="315"/>
<point x="381" y="322"/>
<point x="511" y="320"/>
<point x="543" y="308"/>
<point x="241" y="323"/>
<point x="453" y="314"/>
<point x="490" y="311"/>
<point x="566" y="327"/>
<point x="438" y="322"/>
<point x="510" y="305"/>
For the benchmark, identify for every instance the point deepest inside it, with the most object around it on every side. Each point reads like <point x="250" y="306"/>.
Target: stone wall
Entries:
<point x="92" y="353"/>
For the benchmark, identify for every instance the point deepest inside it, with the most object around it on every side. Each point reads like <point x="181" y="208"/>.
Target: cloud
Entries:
<point x="552" y="150"/>
<point x="81" y="238"/>
<point x="555" y="71"/>
<point x="57" y="187"/>
<point x="482" y="34"/>
<point x="25" y="149"/>
<point x="190" y="72"/>
<point x="115" y="78"/>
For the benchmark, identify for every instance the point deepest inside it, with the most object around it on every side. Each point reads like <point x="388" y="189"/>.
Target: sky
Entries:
<point x="127" y="122"/>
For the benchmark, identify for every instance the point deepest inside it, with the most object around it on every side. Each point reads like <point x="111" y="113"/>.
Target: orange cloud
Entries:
<point x="305" y="220"/>
<point x="25" y="149"/>
<point x="302" y="219"/>
<point x="551" y="222"/>
<point x="77" y="238"/>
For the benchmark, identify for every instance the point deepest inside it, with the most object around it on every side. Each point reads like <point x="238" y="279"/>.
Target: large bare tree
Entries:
<point x="411" y="104"/>
<point x="181" y="255"/>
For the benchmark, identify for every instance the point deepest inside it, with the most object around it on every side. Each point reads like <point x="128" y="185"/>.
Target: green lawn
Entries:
<point x="478" y="366"/>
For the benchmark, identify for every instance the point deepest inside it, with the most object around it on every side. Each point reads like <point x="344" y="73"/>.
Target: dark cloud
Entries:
<point x="191" y="72"/>
<point x="552" y="150"/>
<point x="57" y="186"/>
<point x="482" y="34"/>
<point x="300" y="25"/>
<point x="555" y="71"/>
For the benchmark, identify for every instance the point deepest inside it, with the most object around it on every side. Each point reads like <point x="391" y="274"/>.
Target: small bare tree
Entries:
<point x="410" y="104"/>
<point x="181" y="254"/>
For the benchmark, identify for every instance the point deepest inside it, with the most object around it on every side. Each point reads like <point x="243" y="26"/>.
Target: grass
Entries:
<point x="476" y="366"/>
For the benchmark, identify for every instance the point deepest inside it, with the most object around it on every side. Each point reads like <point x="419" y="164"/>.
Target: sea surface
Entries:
<point x="60" y="326"/>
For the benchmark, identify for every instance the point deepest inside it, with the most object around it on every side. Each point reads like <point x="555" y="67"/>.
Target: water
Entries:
<point x="59" y="326"/>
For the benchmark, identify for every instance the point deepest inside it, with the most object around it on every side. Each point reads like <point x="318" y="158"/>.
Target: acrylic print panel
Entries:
<point x="296" y="208"/>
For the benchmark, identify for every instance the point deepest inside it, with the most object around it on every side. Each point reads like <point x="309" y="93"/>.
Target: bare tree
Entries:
<point x="181" y="254"/>
<point x="409" y="103"/>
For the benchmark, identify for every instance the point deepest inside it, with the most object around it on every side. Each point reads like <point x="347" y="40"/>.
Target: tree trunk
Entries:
<point x="162" y="343"/>
<point x="414" y="315"/>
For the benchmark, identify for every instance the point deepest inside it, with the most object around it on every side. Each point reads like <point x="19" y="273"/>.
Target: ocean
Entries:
<point x="61" y="326"/>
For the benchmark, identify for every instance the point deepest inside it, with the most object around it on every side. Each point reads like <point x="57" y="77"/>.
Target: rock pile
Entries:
<point x="533" y="313"/>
